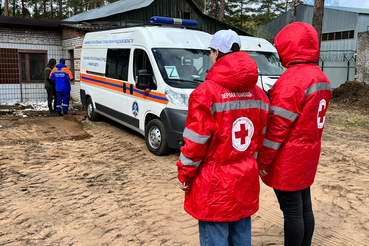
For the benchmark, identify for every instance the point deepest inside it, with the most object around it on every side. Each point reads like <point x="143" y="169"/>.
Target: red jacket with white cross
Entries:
<point x="299" y="99"/>
<point x="225" y="127"/>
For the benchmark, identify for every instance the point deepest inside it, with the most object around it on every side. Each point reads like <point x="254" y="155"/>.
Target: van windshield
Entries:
<point x="183" y="68"/>
<point x="268" y="63"/>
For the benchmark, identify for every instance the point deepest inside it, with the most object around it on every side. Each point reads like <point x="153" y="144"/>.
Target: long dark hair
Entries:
<point x="52" y="62"/>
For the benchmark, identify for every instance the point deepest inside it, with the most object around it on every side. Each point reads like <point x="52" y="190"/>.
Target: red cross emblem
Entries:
<point x="321" y="113"/>
<point x="242" y="134"/>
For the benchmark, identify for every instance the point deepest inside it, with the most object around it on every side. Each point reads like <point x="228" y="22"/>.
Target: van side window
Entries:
<point x="117" y="64"/>
<point x="141" y="61"/>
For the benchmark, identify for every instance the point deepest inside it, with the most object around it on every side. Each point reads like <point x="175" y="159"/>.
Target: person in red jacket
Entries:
<point x="225" y="127"/>
<point x="289" y="157"/>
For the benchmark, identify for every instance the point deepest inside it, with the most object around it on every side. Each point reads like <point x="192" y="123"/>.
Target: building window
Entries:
<point x="338" y="35"/>
<point x="117" y="64"/>
<point x="9" y="66"/>
<point x="351" y="34"/>
<point x="345" y="35"/>
<point x="32" y="66"/>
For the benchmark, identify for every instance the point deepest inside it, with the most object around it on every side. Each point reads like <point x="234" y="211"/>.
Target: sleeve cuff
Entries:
<point x="182" y="178"/>
<point x="262" y="166"/>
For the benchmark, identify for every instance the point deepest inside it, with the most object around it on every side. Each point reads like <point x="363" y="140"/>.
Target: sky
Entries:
<point x="353" y="3"/>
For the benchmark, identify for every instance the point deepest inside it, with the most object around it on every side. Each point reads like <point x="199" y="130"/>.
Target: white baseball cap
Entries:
<point x="224" y="39"/>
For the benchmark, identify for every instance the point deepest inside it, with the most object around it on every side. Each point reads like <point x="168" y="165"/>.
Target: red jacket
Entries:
<point x="300" y="99"/>
<point x="225" y="127"/>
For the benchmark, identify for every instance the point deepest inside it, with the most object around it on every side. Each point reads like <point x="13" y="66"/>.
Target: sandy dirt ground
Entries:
<point x="69" y="181"/>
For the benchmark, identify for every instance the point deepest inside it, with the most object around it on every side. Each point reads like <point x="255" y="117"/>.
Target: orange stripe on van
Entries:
<point x="117" y="85"/>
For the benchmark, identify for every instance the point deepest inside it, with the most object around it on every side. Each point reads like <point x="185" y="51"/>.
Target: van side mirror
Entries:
<point x="145" y="80"/>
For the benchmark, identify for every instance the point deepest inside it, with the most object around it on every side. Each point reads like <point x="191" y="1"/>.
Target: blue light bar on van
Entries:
<point x="173" y="21"/>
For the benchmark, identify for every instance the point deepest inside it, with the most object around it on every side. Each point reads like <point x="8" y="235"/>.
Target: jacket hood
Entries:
<point x="236" y="72"/>
<point x="297" y="43"/>
<point x="60" y="65"/>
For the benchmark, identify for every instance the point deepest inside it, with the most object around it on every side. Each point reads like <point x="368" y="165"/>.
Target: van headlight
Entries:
<point x="177" y="98"/>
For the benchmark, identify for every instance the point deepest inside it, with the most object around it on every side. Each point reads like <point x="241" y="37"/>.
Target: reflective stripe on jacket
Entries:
<point x="62" y="77"/>
<point x="225" y="127"/>
<point x="300" y="99"/>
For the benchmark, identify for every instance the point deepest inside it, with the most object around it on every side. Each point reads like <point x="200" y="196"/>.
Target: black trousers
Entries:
<point x="51" y="98"/>
<point x="298" y="216"/>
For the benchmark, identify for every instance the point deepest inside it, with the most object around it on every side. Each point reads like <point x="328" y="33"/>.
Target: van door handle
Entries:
<point x="131" y="89"/>
<point x="124" y="87"/>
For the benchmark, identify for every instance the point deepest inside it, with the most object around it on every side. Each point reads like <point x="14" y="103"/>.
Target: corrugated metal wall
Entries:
<point x="334" y="21"/>
<point x="337" y="57"/>
<point x="363" y="23"/>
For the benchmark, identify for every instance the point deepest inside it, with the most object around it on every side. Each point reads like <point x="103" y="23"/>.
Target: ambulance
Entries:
<point x="266" y="57"/>
<point x="142" y="77"/>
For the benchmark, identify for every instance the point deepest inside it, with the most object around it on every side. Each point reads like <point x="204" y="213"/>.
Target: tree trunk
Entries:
<point x="36" y="9"/>
<point x="293" y="3"/>
<point x="318" y="18"/>
<point x="286" y="8"/>
<point x="212" y="8"/>
<point x="60" y="9"/>
<point x="51" y="10"/>
<point x="44" y="14"/>
<point x="6" y="8"/>
<point x="23" y="10"/>
<point x="14" y="7"/>
<point x="241" y="13"/>
<point x="221" y="11"/>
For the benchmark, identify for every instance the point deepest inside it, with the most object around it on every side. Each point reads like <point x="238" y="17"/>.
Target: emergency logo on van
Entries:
<point x="242" y="132"/>
<point x="135" y="108"/>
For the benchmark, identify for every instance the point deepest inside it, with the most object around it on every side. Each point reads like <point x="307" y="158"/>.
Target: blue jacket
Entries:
<point x="62" y="76"/>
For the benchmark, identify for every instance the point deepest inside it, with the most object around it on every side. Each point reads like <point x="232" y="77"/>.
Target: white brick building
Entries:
<point x="26" y="45"/>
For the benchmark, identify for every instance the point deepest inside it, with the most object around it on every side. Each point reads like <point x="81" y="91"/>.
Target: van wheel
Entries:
<point x="156" y="138"/>
<point x="91" y="114"/>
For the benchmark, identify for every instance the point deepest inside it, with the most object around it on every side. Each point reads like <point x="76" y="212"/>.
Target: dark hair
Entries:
<point x="235" y="47"/>
<point x="52" y="62"/>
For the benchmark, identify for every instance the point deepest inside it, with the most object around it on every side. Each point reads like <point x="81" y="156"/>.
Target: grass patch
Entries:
<point x="8" y="107"/>
<point x="86" y="126"/>
<point x="360" y="123"/>
<point x="9" y="126"/>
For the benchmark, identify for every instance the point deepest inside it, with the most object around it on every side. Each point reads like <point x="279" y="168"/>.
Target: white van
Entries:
<point x="142" y="77"/>
<point x="266" y="57"/>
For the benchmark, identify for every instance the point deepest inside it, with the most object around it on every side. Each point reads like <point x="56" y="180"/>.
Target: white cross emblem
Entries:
<point x="242" y="132"/>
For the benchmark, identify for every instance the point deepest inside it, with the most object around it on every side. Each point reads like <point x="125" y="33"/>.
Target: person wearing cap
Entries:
<point x="225" y="127"/>
<point x="50" y="86"/>
<point x="62" y="76"/>
<point x="289" y="157"/>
